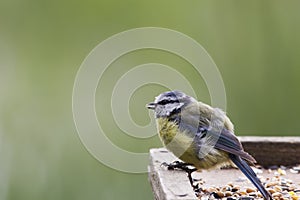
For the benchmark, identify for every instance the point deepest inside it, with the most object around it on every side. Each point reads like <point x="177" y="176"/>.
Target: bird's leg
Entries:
<point x="183" y="166"/>
<point x="189" y="172"/>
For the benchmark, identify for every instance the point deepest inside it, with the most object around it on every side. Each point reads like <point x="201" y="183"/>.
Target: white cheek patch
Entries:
<point x="169" y="108"/>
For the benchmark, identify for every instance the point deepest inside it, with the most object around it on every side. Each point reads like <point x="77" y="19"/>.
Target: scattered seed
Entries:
<point x="220" y="194"/>
<point x="235" y="195"/>
<point x="294" y="196"/>
<point x="230" y="184"/>
<point x="242" y="193"/>
<point x="277" y="188"/>
<point x="259" y="195"/>
<point x="228" y="193"/>
<point x="284" y="188"/>
<point x="271" y="184"/>
<point x="271" y="191"/>
<point x="216" y="195"/>
<point x="281" y="171"/>
<point x="276" y="194"/>
<point x="252" y="194"/>
<point x="277" y="185"/>
<point x="235" y="188"/>
<point x="249" y="190"/>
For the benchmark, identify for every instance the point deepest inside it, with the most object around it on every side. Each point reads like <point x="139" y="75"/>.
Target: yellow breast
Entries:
<point x="178" y="143"/>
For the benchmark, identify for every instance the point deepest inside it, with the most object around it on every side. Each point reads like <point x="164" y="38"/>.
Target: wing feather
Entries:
<point x="228" y="142"/>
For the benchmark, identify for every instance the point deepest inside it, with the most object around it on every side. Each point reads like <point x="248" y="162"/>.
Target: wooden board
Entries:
<point x="267" y="151"/>
<point x="270" y="151"/>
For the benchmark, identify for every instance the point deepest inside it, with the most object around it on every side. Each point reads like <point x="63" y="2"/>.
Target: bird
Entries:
<point x="201" y="136"/>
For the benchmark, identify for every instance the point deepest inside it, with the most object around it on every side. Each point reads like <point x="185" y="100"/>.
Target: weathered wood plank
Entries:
<point x="166" y="184"/>
<point x="268" y="151"/>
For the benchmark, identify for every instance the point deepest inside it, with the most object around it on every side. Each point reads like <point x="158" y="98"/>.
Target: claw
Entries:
<point x="183" y="166"/>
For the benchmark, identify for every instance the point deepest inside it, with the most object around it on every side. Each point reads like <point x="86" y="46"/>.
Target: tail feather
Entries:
<point x="250" y="174"/>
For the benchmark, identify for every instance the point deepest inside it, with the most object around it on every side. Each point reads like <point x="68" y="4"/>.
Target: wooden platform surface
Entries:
<point x="174" y="184"/>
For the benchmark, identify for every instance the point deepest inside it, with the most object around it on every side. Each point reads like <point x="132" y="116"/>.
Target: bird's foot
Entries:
<point x="188" y="168"/>
<point x="177" y="165"/>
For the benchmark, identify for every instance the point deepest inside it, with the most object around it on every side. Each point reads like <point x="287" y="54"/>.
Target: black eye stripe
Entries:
<point x="167" y="101"/>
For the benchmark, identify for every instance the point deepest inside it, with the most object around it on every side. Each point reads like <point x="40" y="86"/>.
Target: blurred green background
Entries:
<point x="255" y="44"/>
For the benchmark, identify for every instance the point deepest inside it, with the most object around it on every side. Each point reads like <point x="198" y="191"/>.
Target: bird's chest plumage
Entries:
<point x="177" y="142"/>
<point x="167" y="130"/>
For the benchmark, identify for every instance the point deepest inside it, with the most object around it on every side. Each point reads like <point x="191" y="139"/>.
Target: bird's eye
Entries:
<point x="164" y="102"/>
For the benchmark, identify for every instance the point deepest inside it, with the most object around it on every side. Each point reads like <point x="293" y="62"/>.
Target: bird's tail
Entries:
<point x="250" y="174"/>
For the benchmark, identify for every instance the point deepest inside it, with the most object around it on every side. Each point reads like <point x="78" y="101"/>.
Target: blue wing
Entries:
<point x="225" y="141"/>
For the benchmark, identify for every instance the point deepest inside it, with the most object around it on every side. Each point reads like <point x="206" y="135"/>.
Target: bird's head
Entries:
<point x="169" y="103"/>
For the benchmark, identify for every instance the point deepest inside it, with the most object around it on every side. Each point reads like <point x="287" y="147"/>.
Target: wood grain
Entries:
<point x="268" y="151"/>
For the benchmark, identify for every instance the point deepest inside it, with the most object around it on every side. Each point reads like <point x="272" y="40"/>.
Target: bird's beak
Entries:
<point x="151" y="105"/>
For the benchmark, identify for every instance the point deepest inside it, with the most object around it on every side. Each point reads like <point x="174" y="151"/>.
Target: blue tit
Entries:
<point x="201" y="135"/>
